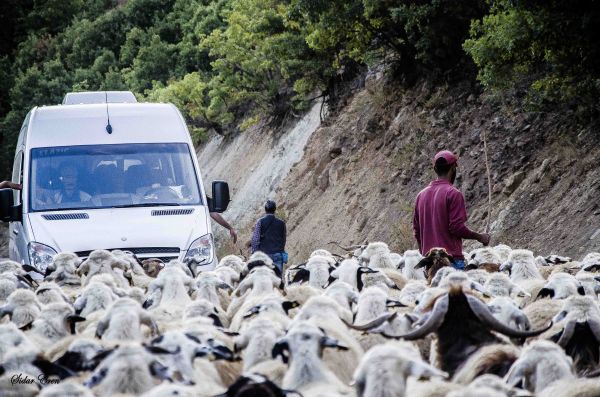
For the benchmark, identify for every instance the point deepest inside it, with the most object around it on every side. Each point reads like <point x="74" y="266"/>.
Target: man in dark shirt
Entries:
<point x="269" y="235"/>
<point x="440" y="213"/>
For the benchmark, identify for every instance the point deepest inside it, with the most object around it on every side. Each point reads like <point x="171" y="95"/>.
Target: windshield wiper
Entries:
<point x="144" y="205"/>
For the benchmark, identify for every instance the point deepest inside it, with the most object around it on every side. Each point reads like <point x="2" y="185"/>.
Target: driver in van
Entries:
<point x="69" y="191"/>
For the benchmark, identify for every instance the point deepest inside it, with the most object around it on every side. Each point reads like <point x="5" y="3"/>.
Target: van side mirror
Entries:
<point x="220" y="196"/>
<point x="9" y="212"/>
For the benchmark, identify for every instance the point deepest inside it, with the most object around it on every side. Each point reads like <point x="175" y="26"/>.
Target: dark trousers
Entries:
<point x="277" y="260"/>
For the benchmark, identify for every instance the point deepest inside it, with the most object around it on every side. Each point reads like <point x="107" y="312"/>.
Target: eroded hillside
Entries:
<point x="365" y="164"/>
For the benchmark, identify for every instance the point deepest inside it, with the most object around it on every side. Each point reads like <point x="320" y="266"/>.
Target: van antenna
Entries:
<point x="108" y="126"/>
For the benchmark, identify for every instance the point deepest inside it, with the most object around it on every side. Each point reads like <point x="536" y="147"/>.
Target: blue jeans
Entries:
<point x="277" y="260"/>
<point x="459" y="264"/>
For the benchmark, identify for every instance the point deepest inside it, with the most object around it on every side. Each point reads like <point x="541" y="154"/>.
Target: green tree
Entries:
<point x="548" y="47"/>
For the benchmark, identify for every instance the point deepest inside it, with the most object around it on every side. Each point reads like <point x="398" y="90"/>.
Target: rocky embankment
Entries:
<point x="363" y="166"/>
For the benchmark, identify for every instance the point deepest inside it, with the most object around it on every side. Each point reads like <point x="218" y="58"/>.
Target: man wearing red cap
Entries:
<point x="440" y="213"/>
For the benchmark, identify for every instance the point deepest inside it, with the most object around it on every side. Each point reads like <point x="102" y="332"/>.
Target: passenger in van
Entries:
<point x="69" y="191"/>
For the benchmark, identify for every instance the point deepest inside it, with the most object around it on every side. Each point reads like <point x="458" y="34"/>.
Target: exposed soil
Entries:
<point x="363" y="168"/>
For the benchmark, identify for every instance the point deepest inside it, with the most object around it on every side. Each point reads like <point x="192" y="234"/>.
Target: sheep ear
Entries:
<point x="27" y="280"/>
<point x="216" y="319"/>
<point x="581" y="290"/>
<point x="394" y="303"/>
<point x="223" y="353"/>
<point x="27" y="326"/>
<point x="330" y="342"/>
<point x="49" y="368"/>
<point x="160" y="350"/>
<point x="288" y="305"/>
<point x="72" y="360"/>
<point x="147" y="303"/>
<point x="253" y="311"/>
<point x="159" y="371"/>
<point x="4" y="310"/>
<point x="425" y="262"/>
<point x="72" y="319"/>
<point x="559" y="317"/>
<point x="98" y="358"/>
<point x="401" y="264"/>
<point x="302" y="275"/>
<point x="282" y="349"/>
<point x="192" y="337"/>
<point x="423" y="370"/>
<point x="545" y="292"/>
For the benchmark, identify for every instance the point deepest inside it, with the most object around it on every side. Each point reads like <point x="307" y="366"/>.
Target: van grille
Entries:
<point x="163" y="253"/>
<point x="185" y="211"/>
<point x="62" y="217"/>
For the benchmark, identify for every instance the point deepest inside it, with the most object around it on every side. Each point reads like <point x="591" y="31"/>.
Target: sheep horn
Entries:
<point x="350" y="248"/>
<point x="484" y="315"/>
<point x="29" y="268"/>
<point x="595" y="328"/>
<point x="326" y="341"/>
<point x="49" y="368"/>
<point x="432" y="323"/>
<point x="279" y="349"/>
<point x="373" y="323"/>
<point x="567" y="334"/>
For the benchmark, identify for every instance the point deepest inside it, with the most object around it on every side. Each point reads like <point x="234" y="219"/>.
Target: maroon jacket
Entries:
<point x="439" y="219"/>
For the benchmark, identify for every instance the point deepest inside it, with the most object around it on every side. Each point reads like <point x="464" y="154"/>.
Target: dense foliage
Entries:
<point x="550" y="47"/>
<point x="227" y="63"/>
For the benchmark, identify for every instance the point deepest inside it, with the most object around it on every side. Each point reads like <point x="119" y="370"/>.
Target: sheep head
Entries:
<point x="462" y="323"/>
<point x="579" y="332"/>
<point x="435" y="259"/>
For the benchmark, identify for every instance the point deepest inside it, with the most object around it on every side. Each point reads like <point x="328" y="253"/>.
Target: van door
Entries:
<point x="17" y="245"/>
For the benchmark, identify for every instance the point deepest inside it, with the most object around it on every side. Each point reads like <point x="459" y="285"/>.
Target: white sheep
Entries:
<point x="232" y="261"/>
<point x="256" y="341"/>
<point x="303" y="346"/>
<point x="131" y="368"/>
<point x="561" y="286"/>
<point x="123" y="321"/>
<point x="22" y="306"/>
<point x="102" y="261"/>
<point x="410" y="259"/>
<point x="377" y="255"/>
<point x="507" y="311"/>
<point x="63" y="269"/>
<point x="324" y="312"/>
<point x="342" y="293"/>
<point x="541" y="363"/>
<point x="95" y="296"/>
<point x="384" y="369"/>
<point x="54" y="323"/>
<point x="522" y="266"/>
<point x="49" y="292"/>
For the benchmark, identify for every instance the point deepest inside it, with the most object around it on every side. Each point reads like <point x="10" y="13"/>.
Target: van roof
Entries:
<point x="89" y="97"/>
<point x="86" y="124"/>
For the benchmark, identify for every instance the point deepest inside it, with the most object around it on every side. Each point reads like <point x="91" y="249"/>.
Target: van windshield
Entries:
<point x="103" y="176"/>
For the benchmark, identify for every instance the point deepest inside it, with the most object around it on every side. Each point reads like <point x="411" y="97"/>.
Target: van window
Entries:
<point x="101" y="176"/>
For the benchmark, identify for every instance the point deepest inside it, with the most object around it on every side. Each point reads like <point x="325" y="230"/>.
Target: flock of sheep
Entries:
<point x="369" y="323"/>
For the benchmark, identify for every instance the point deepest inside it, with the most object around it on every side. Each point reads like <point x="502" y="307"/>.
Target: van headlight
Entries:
<point x="40" y="255"/>
<point x="200" y="251"/>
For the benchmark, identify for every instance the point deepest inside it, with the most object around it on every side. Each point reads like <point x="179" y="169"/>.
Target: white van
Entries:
<point x="108" y="173"/>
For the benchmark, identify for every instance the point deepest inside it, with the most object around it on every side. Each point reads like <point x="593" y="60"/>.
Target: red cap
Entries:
<point x="446" y="154"/>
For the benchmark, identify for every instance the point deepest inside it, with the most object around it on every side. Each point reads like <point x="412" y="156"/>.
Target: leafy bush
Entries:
<point x="550" y="47"/>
